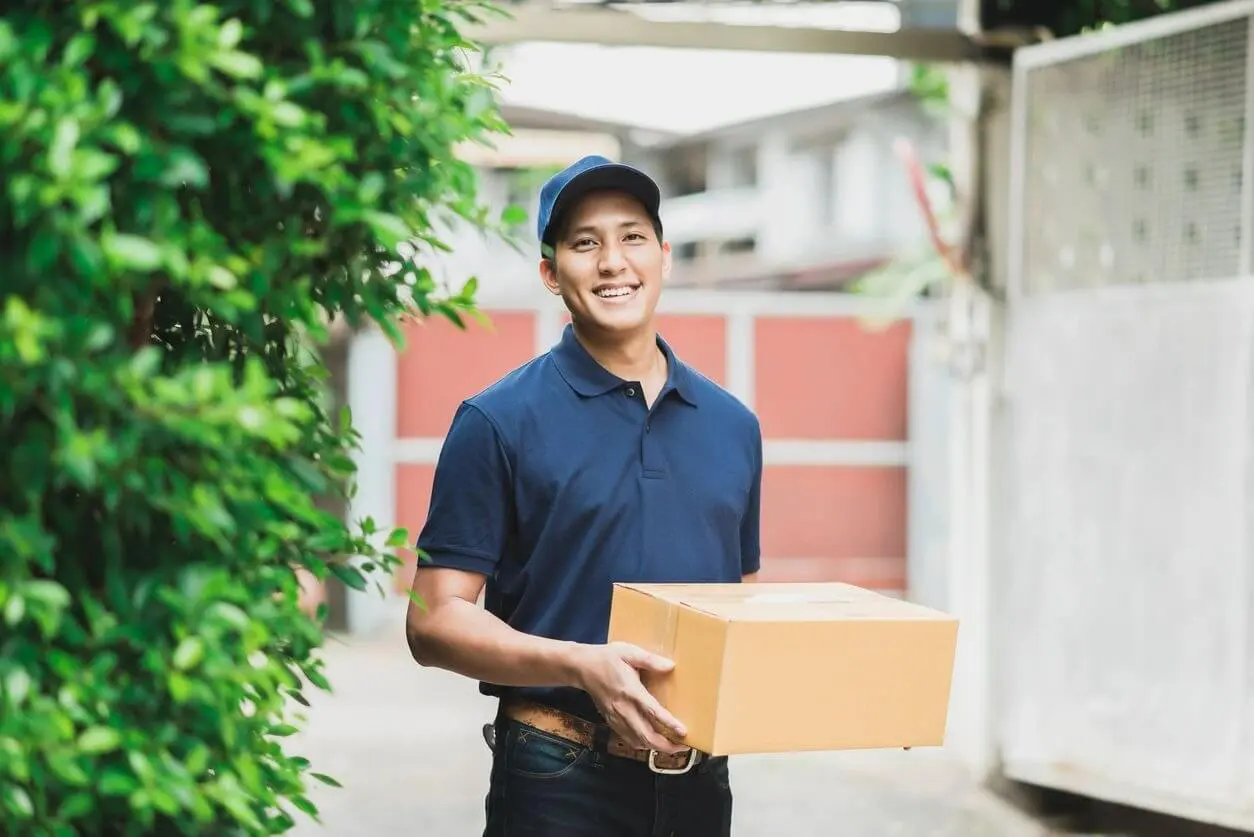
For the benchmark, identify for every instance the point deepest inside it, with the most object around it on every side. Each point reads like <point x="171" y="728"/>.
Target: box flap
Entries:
<point x="787" y="602"/>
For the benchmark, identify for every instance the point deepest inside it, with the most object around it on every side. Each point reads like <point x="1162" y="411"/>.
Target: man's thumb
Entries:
<point x="639" y="658"/>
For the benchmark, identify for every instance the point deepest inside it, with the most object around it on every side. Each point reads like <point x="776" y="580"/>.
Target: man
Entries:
<point x="606" y="459"/>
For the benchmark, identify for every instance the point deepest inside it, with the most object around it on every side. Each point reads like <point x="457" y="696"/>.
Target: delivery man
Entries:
<point x="606" y="459"/>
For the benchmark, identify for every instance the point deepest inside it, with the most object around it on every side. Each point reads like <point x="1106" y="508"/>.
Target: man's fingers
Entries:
<point x="663" y="721"/>
<point x="640" y="659"/>
<point x="663" y="745"/>
<point x="648" y="737"/>
<point x="633" y="729"/>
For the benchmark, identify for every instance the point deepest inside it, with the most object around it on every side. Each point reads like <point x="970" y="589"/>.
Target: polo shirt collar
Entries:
<point x="589" y="378"/>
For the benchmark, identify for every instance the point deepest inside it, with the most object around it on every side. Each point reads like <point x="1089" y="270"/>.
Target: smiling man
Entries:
<point x="606" y="459"/>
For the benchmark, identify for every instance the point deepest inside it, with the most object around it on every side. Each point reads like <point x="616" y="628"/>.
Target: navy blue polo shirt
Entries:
<point x="558" y="481"/>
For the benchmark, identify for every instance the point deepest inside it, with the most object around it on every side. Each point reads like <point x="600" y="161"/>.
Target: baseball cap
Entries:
<point x="586" y="175"/>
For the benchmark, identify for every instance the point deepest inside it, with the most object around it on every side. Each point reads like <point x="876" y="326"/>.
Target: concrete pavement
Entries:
<point x="406" y="744"/>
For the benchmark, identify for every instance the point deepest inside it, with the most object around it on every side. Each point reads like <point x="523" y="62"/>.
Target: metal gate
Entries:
<point x="1125" y="568"/>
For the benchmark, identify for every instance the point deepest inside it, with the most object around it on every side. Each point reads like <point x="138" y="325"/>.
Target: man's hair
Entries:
<point x="561" y="224"/>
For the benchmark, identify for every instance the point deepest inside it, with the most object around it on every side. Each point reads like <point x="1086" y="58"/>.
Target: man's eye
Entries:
<point x="635" y="237"/>
<point x="584" y="242"/>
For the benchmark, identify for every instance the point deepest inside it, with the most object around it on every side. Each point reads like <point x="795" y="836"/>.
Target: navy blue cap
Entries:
<point x="589" y="174"/>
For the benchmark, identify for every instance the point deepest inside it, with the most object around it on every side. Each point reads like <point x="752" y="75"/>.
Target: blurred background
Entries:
<point x="983" y="271"/>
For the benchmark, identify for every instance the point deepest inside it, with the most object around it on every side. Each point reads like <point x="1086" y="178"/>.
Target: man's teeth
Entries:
<point x="611" y="292"/>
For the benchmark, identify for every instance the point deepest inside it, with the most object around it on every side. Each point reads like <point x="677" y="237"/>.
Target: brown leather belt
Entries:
<point x="583" y="733"/>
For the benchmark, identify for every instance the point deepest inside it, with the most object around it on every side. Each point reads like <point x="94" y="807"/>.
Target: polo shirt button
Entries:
<point x="631" y="392"/>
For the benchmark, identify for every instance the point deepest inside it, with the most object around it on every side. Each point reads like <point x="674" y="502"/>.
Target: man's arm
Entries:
<point x="466" y="532"/>
<point x="751" y="522"/>
<point x="448" y="630"/>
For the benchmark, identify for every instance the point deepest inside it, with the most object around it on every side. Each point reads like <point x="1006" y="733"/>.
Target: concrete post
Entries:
<point x="971" y="720"/>
<point x="979" y="98"/>
<point x="372" y="364"/>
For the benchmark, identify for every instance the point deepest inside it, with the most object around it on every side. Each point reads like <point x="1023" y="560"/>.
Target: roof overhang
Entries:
<point x="538" y="21"/>
<point x="532" y="147"/>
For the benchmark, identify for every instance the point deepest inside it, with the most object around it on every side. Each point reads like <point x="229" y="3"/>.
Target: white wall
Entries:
<point x="859" y="178"/>
<point x="839" y="196"/>
<point x="372" y="400"/>
<point x="506" y="274"/>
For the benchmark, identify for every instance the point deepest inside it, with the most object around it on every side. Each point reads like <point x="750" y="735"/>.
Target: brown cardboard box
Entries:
<point x="791" y="667"/>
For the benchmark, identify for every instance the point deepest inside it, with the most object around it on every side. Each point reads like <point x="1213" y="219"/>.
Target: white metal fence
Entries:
<point x="1132" y="154"/>
<point x="1125" y="554"/>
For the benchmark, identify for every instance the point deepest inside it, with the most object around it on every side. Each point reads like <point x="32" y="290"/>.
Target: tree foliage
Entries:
<point x="1072" y="17"/>
<point x="191" y="193"/>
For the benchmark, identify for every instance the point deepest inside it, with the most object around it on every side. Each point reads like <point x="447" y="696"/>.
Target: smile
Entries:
<point x="618" y="293"/>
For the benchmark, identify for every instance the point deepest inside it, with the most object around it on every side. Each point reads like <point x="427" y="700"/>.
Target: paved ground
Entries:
<point x="406" y="744"/>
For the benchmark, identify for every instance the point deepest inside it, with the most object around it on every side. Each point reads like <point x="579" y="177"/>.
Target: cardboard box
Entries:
<point x="791" y="667"/>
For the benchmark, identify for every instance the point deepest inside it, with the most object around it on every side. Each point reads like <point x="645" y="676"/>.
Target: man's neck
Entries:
<point x="634" y="357"/>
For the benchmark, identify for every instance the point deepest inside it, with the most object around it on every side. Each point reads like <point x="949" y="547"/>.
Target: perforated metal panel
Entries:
<point x="1133" y="162"/>
<point x="1124" y="534"/>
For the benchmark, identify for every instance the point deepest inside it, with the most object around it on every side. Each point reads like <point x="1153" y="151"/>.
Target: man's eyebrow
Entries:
<point x="589" y="229"/>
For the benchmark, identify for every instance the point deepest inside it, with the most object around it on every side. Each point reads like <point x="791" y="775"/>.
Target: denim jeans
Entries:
<point x="544" y="786"/>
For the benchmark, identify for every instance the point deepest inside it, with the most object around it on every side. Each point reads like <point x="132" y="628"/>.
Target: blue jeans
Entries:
<point x="544" y="786"/>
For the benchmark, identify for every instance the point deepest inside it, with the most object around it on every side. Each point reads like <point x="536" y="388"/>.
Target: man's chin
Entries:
<point x="625" y="322"/>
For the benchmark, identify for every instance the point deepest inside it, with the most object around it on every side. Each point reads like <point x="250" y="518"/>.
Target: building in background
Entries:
<point x="755" y="211"/>
<point x="808" y="200"/>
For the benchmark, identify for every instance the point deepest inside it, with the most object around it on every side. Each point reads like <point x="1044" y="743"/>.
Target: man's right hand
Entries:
<point x="610" y="674"/>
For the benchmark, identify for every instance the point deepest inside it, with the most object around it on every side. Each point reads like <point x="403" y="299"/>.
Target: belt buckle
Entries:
<point x="673" y="771"/>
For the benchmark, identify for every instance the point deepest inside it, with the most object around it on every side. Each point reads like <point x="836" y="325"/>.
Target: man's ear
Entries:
<point x="548" y="275"/>
<point x="666" y="260"/>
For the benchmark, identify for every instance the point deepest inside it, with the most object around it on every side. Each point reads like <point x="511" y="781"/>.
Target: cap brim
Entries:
<point x="615" y="176"/>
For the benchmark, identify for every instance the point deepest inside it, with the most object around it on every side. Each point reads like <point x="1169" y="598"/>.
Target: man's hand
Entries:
<point x="610" y="674"/>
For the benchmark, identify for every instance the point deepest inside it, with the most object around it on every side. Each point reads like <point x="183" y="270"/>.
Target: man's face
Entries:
<point x="608" y="264"/>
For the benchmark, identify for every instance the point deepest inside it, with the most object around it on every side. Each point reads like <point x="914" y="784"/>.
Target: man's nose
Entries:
<point x="612" y="259"/>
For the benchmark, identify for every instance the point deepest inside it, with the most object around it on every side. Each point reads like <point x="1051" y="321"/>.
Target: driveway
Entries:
<point x="406" y="744"/>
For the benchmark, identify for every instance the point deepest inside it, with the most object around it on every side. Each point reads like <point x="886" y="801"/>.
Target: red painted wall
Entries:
<point x="430" y="385"/>
<point x="413" y="496"/>
<point x="816" y="379"/>
<point x="829" y="378"/>
<point x="701" y="341"/>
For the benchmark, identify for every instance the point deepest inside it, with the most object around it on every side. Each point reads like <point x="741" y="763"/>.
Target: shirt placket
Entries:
<point x="652" y="481"/>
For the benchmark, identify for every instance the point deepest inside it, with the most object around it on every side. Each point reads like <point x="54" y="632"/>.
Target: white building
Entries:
<point x="807" y="199"/>
<point x="804" y="200"/>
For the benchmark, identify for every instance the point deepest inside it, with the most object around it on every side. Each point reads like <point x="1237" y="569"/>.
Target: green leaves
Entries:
<point x="131" y="252"/>
<point x="389" y="230"/>
<point x="238" y="64"/>
<point x="190" y="193"/>
<point x="16" y="802"/>
<point x="189" y="653"/>
<point x="39" y="602"/>
<point x="99" y="740"/>
<point x="61" y="154"/>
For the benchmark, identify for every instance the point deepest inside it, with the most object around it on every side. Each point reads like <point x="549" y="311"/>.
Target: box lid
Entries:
<point x="787" y="602"/>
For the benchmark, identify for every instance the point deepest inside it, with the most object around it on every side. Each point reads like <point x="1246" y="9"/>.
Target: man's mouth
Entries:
<point x="616" y="293"/>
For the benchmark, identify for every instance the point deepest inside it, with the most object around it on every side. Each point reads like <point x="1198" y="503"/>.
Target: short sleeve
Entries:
<point x="751" y="523"/>
<point x="469" y="518"/>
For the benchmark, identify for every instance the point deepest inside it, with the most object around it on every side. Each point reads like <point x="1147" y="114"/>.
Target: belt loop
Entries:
<point x="600" y="743"/>
<point x="600" y="738"/>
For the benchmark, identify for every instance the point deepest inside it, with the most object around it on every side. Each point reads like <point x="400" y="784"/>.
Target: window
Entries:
<point x="742" y="167"/>
<point x="738" y="245"/>
<point x="824" y="165"/>
<point x="686" y="171"/>
<point x="685" y="252"/>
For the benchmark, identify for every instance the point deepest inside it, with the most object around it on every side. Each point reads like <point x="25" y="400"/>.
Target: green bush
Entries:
<point x="189" y="195"/>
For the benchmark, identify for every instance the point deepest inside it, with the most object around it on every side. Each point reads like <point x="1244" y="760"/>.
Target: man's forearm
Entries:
<point x="464" y="638"/>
